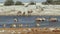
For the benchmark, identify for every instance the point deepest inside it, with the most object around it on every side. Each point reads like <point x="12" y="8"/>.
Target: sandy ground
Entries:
<point x="27" y="31"/>
<point x="13" y="10"/>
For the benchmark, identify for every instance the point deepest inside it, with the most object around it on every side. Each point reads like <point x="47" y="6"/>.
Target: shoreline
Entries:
<point x="28" y="31"/>
<point x="29" y="15"/>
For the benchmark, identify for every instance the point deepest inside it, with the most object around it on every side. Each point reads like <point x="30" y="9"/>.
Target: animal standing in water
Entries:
<point x="15" y="20"/>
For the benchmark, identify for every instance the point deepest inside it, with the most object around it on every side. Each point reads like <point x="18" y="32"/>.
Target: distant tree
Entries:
<point x="19" y="3"/>
<point x="49" y="1"/>
<point x="9" y="2"/>
<point x="32" y="3"/>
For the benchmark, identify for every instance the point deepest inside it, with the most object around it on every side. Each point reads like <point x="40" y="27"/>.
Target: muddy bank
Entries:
<point x="28" y="31"/>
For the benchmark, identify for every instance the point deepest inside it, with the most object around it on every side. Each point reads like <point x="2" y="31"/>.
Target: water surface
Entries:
<point x="29" y="20"/>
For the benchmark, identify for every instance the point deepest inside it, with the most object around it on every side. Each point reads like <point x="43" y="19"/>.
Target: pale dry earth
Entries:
<point x="47" y="10"/>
